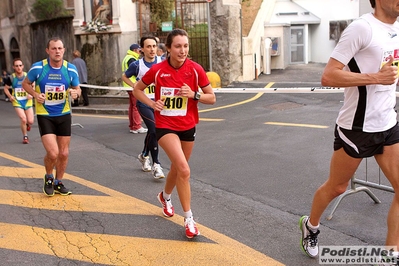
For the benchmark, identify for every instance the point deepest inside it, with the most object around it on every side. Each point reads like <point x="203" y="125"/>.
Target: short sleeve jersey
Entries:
<point x="54" y="83"/>
<point x="368" y="108"/>
<point x="20" y="95"/>
<point x="179" y="113"/>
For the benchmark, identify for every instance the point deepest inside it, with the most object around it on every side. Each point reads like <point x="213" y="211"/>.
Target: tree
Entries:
<point x="49" y="9"/>
<point x="161" y="11"/>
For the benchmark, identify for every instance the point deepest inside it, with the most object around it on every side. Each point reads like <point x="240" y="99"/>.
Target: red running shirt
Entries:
<point x="179" y="113"/>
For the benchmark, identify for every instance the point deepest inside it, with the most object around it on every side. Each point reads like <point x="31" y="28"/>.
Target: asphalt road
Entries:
<point x="257" y="161"/>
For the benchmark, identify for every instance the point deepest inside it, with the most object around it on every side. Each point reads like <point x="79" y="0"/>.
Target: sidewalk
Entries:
<point x="293" y="74"/>
<point x="109" y="109"/>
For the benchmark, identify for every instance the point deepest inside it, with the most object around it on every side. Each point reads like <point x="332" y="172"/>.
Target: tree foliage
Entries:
<point x="49" y="9"/>
<point x="161" y="11"/>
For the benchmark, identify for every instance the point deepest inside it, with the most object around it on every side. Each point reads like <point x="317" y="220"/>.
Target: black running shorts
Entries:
<point x="359" y="144"/>
<point x="187" y="135"/>
<point x="57" y="125"/>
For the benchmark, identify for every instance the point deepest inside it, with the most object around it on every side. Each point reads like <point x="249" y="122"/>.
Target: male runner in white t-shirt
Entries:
<point x="364" y="62"/>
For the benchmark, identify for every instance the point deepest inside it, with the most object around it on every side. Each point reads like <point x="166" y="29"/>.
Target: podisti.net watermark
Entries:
<point x="353" y="255"/>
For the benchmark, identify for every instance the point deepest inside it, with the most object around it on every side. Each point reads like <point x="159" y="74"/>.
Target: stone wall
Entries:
<point x="101" y="53"/>
<point x="42" y="31"/>
<point x="15" y="26"/>
<point x="226" y="40"/>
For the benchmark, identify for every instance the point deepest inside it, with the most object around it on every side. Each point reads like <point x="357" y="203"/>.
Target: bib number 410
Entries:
<point x="173" y="102"/>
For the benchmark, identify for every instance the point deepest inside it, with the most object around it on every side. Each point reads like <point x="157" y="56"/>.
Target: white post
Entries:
<point x="267" y="56"/>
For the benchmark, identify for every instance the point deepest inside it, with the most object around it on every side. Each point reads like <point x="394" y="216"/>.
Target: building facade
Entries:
<point x="296" y="32"/>
<point x="284" y="32"/>
<point x="23" y="35"/>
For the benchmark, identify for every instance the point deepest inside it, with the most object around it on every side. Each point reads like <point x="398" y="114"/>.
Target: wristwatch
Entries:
<point x="197" y="96"/>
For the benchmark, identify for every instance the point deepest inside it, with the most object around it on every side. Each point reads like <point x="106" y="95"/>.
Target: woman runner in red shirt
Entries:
<point x="177" y="81"/>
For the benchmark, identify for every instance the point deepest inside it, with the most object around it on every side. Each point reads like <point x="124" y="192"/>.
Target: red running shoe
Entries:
<point x="27" y="127"/>
<point x="167" y="207"/>
<point x="191" y="227"/>
<point x="26" y="140"/>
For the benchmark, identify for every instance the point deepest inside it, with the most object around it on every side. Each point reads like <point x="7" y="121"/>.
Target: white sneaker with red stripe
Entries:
<point x="191" y="227"/>
<point x="167" y="208"/>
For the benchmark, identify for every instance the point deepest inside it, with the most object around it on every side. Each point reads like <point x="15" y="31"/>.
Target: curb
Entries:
<point x="77" y="110"/>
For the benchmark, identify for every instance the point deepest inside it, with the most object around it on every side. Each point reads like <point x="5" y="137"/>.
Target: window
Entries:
<point x="14" y="48"/>
<point x="2" y="56"/>
<point x="297" y="45"/>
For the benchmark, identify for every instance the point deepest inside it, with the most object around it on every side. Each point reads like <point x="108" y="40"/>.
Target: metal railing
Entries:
<point x="365" y="185"/>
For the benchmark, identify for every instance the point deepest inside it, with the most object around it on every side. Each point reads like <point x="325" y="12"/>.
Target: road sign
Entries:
<point x="167" y="26"/>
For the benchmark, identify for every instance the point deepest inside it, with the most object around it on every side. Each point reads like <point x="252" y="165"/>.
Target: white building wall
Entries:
<point x="128" y="25"/>
<point x="282" y="59"/>
<point x="128" y="16"/>
<point x="320" y="45"/>
<point x="251" y="49"/>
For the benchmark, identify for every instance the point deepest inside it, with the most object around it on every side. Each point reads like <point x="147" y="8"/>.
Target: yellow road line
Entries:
<point x="269" y="85"/>
<point x="79" y="203"/>
<point x="106" y="248"/>
<point x="123" y="250"/>
<point x="257" y="96"/>
<point x="294" y="125"/>
<point x="212" y="119"/>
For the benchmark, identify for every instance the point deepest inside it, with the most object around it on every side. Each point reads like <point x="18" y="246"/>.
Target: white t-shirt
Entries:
<point x="369" y="109"/>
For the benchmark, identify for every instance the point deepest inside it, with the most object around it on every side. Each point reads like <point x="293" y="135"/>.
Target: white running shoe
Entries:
<point x="191" y="227"/>
<point x="139" y="131"/>
<point x="145" y="162"/>
<point x="157" y="172"/>
<point x="167" y="208"/>
<point x="309" y="242"/>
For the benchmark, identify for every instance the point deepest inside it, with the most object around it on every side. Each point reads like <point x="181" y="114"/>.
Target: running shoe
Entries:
<point x="157" y="172"/>
<point x="139" y="131"/>
<point x="27" y="127"/>
<point x="48" y="187"/>
<point x="145" y="162"/>
<point x="25" y="140"/>
<point x="389" y="260"/>
<point x="191" y="227"/>
<point x="167" y="208"/>
<point x="309" y="242"/>
<point x="61" y="189"/>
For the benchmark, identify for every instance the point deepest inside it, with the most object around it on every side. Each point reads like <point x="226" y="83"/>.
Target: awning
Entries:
<point x="288" y="12"/>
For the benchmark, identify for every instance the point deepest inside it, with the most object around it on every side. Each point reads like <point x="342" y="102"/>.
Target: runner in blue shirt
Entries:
<point x="55" y="81"/>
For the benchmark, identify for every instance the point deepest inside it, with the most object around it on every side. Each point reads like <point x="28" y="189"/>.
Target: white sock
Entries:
<point x="188" y="214"/>
<point x="166" y="196"/>
<point x="312" y="227"/>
